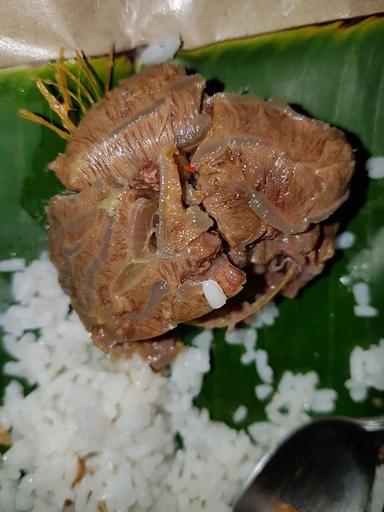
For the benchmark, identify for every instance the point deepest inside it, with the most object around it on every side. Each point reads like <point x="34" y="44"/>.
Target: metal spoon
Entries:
<point x="325" y="466"/>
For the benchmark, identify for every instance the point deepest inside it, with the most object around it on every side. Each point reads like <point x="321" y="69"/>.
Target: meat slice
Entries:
<point x="144" y="298"/>
<point x="119" y="105"/>
<point x="226" y="194"/>
<point x="167" y="193"/>
<point x="85" y="228"/>
<point x="156" y="107"/>
<point x="133" y="264"/>
<point x="266" y="164"/>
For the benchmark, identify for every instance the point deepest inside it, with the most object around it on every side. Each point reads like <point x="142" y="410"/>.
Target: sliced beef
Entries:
<point x="262" y="163"/>
<point x="227" y="195"/>
<point x="121" y="136"/>
<point x="166" y="194"/>
<point x="131" y="276"/>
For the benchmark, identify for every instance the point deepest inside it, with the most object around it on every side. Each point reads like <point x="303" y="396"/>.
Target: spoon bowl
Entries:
<point x="326" y="466"/>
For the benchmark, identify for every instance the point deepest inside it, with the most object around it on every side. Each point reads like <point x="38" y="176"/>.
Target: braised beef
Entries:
<point x="121" y="136"/>
<point x="168" y="189"/>
<point x="263" y="164"/>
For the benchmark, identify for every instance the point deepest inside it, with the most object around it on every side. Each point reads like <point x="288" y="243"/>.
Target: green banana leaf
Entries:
<point x="334" y="72"/>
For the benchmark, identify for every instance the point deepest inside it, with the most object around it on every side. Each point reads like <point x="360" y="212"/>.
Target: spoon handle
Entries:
<point x="371" y="424"/>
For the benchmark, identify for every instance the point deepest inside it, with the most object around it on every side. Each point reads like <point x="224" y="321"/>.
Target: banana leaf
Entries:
<point x="334" y="72"/>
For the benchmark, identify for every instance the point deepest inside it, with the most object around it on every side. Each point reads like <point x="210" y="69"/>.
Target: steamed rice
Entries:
<point x="368" y="263"/>
<point x="366" y="371"/>
<point x="262" y="391"/>
<point x="214" y="294"/>
<point x="122" y="422"/>
<point x="12" y="265"/>
<point x="375" y="167"/>
<point x="120" y="417"/>
<point x="160" y="51"/>
<point x="362" y="297"/>
<point x="345" y="240"/>
<point x="240" y="414"/>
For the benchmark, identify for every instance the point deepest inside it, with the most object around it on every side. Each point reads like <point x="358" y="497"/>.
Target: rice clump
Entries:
<point x="345" y="240"/>
<point x="366" y="371"/>
<point x="101" y="433"/>
<point x="96" y="434"/>
<point x="160" y="51"/>
<point x="362" y="297"/>
<point x="375" y="167"/>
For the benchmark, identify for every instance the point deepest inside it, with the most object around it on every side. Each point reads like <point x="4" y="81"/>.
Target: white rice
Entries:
<point x="295" y="398"/>
<point x="262" y="391"/>
<point x="266" y="316"/>
<point x="362" y="297"/>
<point x="368" y="263"/>
<point x="248" y="357"/>
<point x="361" y="293"/>
<point x="161" y="51"/>
<point x="345" y="240"/>
<point x="240" y="414"/>
<point x="12" y="265"/>
<point x="375" y="167"/>
<point x="365" y="311"/>
<point x="250" y="339"/>
<point x="239" y="337"/>
<point x="366" y="371"/>
<point x="214" y="294"/>
<point x="247" y="338"/>
<point x="264" y="371"/>
<point x="122" y="419"/>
